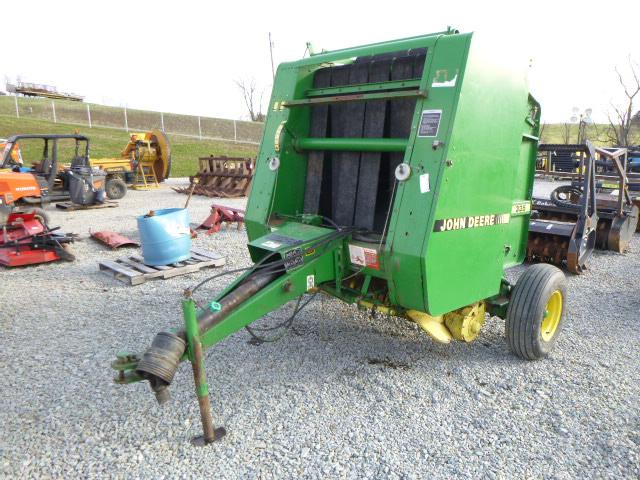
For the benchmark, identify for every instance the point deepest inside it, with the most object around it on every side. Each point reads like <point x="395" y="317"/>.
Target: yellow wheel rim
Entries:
<point x="552" y="316"/>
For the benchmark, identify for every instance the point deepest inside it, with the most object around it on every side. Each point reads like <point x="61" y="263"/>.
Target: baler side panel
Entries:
<point x="523" y="185"/>
<point x="465" y="261"/>
<point x="411" y="220"/>
<point x="282" y="190"/>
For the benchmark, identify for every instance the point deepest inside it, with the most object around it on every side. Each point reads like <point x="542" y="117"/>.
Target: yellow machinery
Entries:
<point x="144" y="162"/>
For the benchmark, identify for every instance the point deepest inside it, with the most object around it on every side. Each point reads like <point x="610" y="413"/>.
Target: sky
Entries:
<point x="183" y="57"/>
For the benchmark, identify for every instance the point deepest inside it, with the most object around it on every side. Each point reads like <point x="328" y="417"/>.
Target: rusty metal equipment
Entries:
<point x="562" y="213"/>
<point x="560" y="161"/>
<point x="113" y="239"/>
<point x="224" y="177"/>
<point x="40" y="90"/>
<point x="219" y="215"/>
<point x="567" y="241"/>
<point x="375" y="184"/>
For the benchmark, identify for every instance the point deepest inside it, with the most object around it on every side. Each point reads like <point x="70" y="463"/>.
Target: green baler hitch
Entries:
<point x="291" y="272"/>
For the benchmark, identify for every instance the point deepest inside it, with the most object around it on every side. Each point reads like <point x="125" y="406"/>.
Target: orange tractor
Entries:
<point x="46" y="180"/>
<point x="25" y="236"/>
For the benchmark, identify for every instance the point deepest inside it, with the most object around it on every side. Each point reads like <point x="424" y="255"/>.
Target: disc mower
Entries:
<point x="396" y="176"/>
<point x="26" y="239"/>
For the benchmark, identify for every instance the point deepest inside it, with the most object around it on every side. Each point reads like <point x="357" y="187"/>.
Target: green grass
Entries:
<point x="107" y="142"/>
<point x="140" y="120"/>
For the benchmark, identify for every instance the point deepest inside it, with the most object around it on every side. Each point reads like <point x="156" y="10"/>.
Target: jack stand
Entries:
<point x="210" y="434"/>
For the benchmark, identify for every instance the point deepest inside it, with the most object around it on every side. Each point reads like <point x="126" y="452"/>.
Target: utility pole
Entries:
<point x="273" y="70"/>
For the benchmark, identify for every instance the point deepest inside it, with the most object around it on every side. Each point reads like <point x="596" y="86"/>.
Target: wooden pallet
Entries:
<point x="132" y="270"/>
<point x="70" y="206"/>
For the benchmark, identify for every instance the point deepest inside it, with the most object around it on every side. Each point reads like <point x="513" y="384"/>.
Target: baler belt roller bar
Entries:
<point x="352" y="144"/>
<point x="354" y="97"/>
<point x="364" y="88"/>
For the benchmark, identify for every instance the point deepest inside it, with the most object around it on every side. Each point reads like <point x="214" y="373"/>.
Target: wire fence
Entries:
<point x="122" y="118"/>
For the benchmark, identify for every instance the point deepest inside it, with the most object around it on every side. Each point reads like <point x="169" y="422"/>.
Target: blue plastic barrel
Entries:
<point x="165" y="236"/>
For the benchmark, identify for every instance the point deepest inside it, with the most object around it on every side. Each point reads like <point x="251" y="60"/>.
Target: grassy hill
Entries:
<point x="107" y="142"/>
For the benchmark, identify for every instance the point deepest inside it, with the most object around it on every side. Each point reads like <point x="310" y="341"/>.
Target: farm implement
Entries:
<point x="565" y="228"/>
<point x="144" y="162"/>
<point x="375" y="184"/>
<point x="25" y="239"/>
<point x="222" y="177"/>
<point x="221" y="214"/>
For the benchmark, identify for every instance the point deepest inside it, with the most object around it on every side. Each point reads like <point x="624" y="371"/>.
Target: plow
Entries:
<point x="576" y="219"/>
<point x="222" y="177"/>
<point x="373" y="186"/>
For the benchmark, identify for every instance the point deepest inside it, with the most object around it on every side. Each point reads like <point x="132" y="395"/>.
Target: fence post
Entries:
<point x="17" y="109"/>
<point x="199" y="128"/>
<point x="53" y="109"/>
<point x="162" y="120"/>
<point x="126" y="122"/>
<point x="89" y="115"/>
<point x="235" y="131"/>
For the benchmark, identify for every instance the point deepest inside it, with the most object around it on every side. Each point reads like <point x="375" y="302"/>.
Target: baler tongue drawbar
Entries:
<point x="284" y="273"/>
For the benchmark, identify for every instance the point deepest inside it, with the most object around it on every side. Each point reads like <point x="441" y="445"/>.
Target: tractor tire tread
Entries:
<point x="528" y="301"/>
<point x="121" y="187"/>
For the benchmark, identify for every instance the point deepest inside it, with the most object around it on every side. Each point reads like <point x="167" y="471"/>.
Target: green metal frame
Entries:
<point x="478" y="167"/>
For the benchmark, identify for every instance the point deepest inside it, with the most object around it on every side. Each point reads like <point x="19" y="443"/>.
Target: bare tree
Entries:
<point x="621" y="119"/>
<point x="566" y="133"/>
<point x="252" y="99"/>
<point x="543" y="126"/>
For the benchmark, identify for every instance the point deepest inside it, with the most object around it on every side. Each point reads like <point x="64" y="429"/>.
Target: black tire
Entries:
<point x="534" y="303"/>
<point x="40" y="214"/>
<point x="116" y="188"/>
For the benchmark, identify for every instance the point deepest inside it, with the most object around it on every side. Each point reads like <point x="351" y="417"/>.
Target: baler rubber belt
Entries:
<point x="316" y="158"/>
<point x="400" y="117"/>
<point x="374" y="121"/>
<point x="347" y="121"/>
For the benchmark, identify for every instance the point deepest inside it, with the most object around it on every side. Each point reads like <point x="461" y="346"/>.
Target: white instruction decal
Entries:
<point x="271" y="244"/>
<point x="364" y="257"/>
<point x="445" y="83"/>
<point x="311" y="282"/>
<point x="424" y="183"/>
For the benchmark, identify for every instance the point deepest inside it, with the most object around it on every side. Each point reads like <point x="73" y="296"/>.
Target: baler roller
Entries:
<point x="352" y="144"/>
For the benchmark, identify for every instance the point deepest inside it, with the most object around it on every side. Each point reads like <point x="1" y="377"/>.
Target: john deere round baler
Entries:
<point x="397" y="176"/>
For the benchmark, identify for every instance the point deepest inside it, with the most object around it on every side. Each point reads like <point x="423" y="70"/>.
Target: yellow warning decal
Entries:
<point x="521" y="208"/>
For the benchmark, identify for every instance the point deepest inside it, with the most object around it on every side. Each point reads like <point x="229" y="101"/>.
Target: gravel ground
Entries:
<point x="348" y="397"/>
